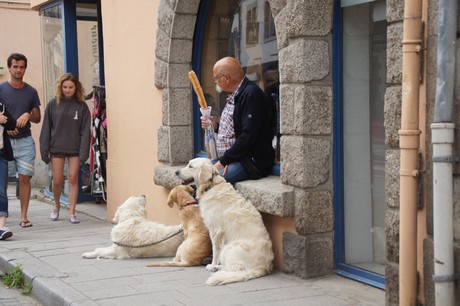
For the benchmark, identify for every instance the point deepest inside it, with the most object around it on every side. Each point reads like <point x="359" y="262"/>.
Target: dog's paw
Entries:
<point x="213" y="268"/>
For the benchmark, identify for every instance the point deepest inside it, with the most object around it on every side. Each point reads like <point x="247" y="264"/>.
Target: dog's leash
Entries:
<point x="149" y="244"/>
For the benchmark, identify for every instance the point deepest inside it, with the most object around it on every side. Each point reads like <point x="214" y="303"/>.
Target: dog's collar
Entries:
<point x="189" y="203"/>
<point x="217" y="174"/>
<point x="208" y="188"/>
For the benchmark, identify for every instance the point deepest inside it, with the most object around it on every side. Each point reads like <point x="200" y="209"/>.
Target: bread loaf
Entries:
<point x="197" y="87"/>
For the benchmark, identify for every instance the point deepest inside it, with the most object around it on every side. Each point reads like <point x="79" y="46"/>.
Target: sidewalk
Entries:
<point x="50" y="254"/>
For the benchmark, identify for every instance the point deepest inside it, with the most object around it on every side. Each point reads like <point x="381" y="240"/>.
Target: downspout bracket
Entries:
<point x="446" y="159"/>
<point x="445" y="278"/>
<point x="409" y="172"/>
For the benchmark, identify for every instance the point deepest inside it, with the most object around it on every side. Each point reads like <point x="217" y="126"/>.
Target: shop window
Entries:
<point x="53" y="47"/>
<point x="244" y="30"/>
<point x="360" y="139"/>
<point x="71" y="40"/>
<point x="88" y="45"/>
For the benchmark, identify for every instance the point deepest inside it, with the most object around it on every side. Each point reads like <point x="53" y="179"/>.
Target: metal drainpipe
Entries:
<point x="443" y="138"/>
<point x="409" y="143"/>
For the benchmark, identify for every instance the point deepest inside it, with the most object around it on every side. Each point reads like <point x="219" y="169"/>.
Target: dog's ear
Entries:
<point x="190" y="189"/>
<point x="217" y="179"/>
<point x="116" y="217"/>
<point x="172" y="197"/>
<point x="143" y="201"/>
<point x="205" y="174"/>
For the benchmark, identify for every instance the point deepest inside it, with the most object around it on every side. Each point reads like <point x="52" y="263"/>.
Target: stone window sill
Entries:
<point x="268" y="194"/>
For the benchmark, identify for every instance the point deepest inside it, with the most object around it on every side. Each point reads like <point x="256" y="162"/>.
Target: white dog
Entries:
<point x="241" y="246"/>
<point x="135" y="236"/>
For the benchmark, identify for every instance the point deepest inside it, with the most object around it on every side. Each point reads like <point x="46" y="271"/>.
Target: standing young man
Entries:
<point x="23" y="103"/>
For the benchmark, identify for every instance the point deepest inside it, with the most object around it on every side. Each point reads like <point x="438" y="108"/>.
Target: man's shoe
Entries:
<point x="5" y="233"/>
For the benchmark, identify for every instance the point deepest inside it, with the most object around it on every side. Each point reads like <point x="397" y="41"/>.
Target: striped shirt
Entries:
<point x="226" y="134"/>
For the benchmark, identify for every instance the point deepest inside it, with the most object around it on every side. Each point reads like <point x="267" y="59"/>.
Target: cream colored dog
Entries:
<point x="241" y="246"/>
<point x="197" y="244"/>
<point x="135" y="236"/>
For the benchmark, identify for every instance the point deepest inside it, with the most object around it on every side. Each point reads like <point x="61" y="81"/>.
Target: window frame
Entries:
<point x="69" y="33"/>
<point x="343" y="269"/>
<point x="197" y="50"/>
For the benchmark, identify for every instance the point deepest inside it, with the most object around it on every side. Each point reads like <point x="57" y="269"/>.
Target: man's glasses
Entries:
<point x="215" y="78"/>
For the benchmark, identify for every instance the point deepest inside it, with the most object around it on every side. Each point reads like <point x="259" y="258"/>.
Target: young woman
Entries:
<point x="7" y="122"/>
<point x="65" y="135"/>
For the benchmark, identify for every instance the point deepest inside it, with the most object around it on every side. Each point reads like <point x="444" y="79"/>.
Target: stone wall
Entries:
<point x="305" y="64"/>
<point x="173" y="53"/>
<point x="392" y="111"/>
<point x="428" y="261"/>
<point x="392" y="115"/>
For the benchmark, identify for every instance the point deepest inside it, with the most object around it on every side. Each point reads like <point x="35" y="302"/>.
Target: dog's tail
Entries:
<point x="173" y="264"/>
<point x="225" y="277"/>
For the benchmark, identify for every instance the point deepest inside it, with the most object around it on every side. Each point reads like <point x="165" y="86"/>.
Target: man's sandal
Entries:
<point x="27" y="223"/>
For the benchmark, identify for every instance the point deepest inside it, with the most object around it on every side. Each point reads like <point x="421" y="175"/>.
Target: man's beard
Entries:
<point x="219" y="89"/>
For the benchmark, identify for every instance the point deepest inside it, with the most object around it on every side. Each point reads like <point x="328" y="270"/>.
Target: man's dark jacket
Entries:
<point x="253" y="132"/>
<point x="9" y="125"/>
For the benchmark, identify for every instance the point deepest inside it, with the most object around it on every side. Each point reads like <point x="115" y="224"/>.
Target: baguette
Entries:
<point x="197" y="87"/>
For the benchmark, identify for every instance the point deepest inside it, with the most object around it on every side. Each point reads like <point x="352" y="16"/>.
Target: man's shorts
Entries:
<point x="24" y="155"/>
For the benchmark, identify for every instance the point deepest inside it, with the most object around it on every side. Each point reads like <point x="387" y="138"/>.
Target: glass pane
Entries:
<point x="88" y="45"/>
<point x="88" y="54"/>
<point x="246" y="31"/>
<point x="364" y="83"/>
<point x="53" y="48"/>
<point x="86" y="10"/>
<point x="269" y="23"/>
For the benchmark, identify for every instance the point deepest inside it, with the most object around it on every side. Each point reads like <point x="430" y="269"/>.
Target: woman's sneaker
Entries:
<point x="5" y="233"/>
<point x="54" y="215"/>
<point x="73" y="219"/>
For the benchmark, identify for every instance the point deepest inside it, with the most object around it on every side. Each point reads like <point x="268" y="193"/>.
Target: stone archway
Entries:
<point x="304" y="41"/>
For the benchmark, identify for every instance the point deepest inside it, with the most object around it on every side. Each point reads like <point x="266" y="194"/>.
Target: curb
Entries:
<point x="47" y="288"/>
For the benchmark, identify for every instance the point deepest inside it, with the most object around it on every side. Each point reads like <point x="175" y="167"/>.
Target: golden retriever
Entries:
<point x="197" y="244"/>
<point x="135" y="236"/>
<point x="242" y="249"/>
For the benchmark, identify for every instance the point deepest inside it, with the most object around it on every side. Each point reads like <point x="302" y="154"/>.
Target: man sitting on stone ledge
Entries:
<point x="244" y="139"/>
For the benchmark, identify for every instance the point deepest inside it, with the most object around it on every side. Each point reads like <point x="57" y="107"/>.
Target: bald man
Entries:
<point x="244" y="133"/>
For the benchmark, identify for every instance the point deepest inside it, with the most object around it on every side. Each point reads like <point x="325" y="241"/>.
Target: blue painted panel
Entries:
<point x="361" y="275"/>
<point x="101" y="43"/>
<point x="196" y="66"/>
<point x="338" y="139"/>
<point x="69" y="21"/>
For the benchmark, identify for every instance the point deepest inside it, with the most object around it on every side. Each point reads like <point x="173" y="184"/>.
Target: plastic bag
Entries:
<point x="209" y="135"/>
